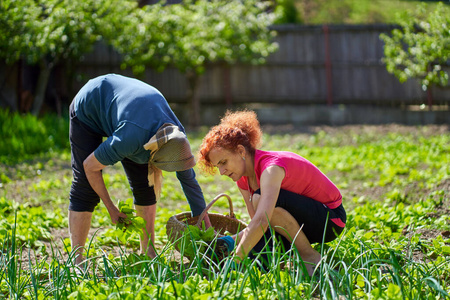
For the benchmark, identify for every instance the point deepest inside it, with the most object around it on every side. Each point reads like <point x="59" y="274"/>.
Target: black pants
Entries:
<point x="313" y="215"/>
<point x="83" y="141"/>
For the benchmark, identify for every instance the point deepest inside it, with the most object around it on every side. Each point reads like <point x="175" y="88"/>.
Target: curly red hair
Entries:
<point x="235" y="128"/>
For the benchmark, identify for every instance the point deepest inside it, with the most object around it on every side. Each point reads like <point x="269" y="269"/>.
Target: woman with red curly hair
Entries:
<point x="280" y="189"/>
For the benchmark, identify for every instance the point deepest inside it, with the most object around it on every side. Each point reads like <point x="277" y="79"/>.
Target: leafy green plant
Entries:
<point x="32" y="224"/>
<point x="421" y="47"/>
<point x="25" y="136"/>
<point x="196" y="240"/>
<point x="287" y="12"/>
<point x="394" y="188"/>
<point x="132" y="223"/>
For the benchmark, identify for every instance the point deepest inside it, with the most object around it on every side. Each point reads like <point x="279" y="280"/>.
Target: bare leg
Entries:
<point x="148" y="213"/>
<point x="286" y="225"/>
<point x="79" y="225"/>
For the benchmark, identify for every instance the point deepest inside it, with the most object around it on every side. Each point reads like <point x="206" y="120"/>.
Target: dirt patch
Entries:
<point x="422" y="252"/>
<point x="55" y="249"/>
<point x="370" y="130"/>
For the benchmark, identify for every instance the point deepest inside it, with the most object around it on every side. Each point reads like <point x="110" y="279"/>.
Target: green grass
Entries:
<point x="24" y="136"/>
<point x="355" y="11"/>
<point x="394" y="180"/>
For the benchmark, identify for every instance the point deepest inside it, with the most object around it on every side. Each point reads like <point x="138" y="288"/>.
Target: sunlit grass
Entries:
<point x="351" y="268"/>
<point x="407" y="170"/>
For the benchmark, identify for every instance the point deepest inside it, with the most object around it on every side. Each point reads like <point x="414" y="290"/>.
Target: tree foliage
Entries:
<point x="16" y="28"/>
<point x="188" y="35"/>
<point x="287" y="12"/>
<point x="420" y="48"/>
<point x="48" y="32"/>
<point x="64" y="30"/>
<point x="192" y="34"/>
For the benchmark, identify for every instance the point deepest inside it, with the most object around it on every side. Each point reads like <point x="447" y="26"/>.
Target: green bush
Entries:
<point x="24" y="135"/>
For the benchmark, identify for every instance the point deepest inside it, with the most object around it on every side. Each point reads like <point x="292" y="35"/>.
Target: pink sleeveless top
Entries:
<point x="302" y="177"/>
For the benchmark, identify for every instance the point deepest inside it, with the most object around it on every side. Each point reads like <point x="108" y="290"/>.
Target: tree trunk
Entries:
<point x="193" y="99"/>
<point x="41" y="87"/>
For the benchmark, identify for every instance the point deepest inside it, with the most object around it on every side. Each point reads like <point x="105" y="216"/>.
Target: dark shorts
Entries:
<point x="83" y="141"/>
<point x="313" y="215"/>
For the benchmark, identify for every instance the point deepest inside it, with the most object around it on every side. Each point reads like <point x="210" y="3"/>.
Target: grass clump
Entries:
<point x="24" y="136"/>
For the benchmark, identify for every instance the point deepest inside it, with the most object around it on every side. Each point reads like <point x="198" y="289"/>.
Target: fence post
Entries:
<point x="429" y="98"/>
<point x="429" y="94"/>
<point x="328" y="65"/>
<point x="227" y="86"/>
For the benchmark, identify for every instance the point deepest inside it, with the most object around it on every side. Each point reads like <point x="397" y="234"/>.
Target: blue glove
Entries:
<point x="229" y="241"/>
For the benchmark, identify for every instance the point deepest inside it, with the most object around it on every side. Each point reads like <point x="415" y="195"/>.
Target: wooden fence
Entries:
<point x="314" y="65"/>
<point x="317" y="72"/>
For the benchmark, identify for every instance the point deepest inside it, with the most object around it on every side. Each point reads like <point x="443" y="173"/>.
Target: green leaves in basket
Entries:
<point x="131" y="222"/>
<point x="199" y="236"/>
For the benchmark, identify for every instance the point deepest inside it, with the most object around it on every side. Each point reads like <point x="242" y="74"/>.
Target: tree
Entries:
<point x="16" y="32"/>
<point x="192" y="34"/>
<point x="48" y="32"/>
<point x="65" y="31"/>
<point x="287" y="12"/>
<point x="420" y="48"/>
<point x="17" y="18"/>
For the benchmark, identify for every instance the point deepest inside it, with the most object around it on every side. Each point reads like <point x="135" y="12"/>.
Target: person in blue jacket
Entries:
<point x="141" y="132"/>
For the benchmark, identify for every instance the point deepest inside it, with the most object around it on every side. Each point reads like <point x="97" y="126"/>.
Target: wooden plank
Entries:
<point x="294" y="74"/>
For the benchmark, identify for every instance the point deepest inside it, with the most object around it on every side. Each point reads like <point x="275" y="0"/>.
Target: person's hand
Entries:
<point x="227" y="241"/>
<point x="116" y="216"/>
<point x="222" y="248"/>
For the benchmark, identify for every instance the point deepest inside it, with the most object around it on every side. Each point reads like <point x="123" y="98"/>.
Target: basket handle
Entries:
<point x="205" y="211"/>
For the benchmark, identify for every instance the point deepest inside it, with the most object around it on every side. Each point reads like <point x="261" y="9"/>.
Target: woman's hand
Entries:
<point x="93" y="169"/>
<point x="270" y="184"/>
<point x="116" y="215"/>
<point x="222" y="247"/>
<point x="247" y="196"/>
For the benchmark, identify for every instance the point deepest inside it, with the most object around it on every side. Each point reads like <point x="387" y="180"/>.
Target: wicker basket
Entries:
<point x="222" y="223"/>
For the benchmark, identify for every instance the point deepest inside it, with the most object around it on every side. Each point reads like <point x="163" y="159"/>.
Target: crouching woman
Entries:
<point x="281" y="189"/>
